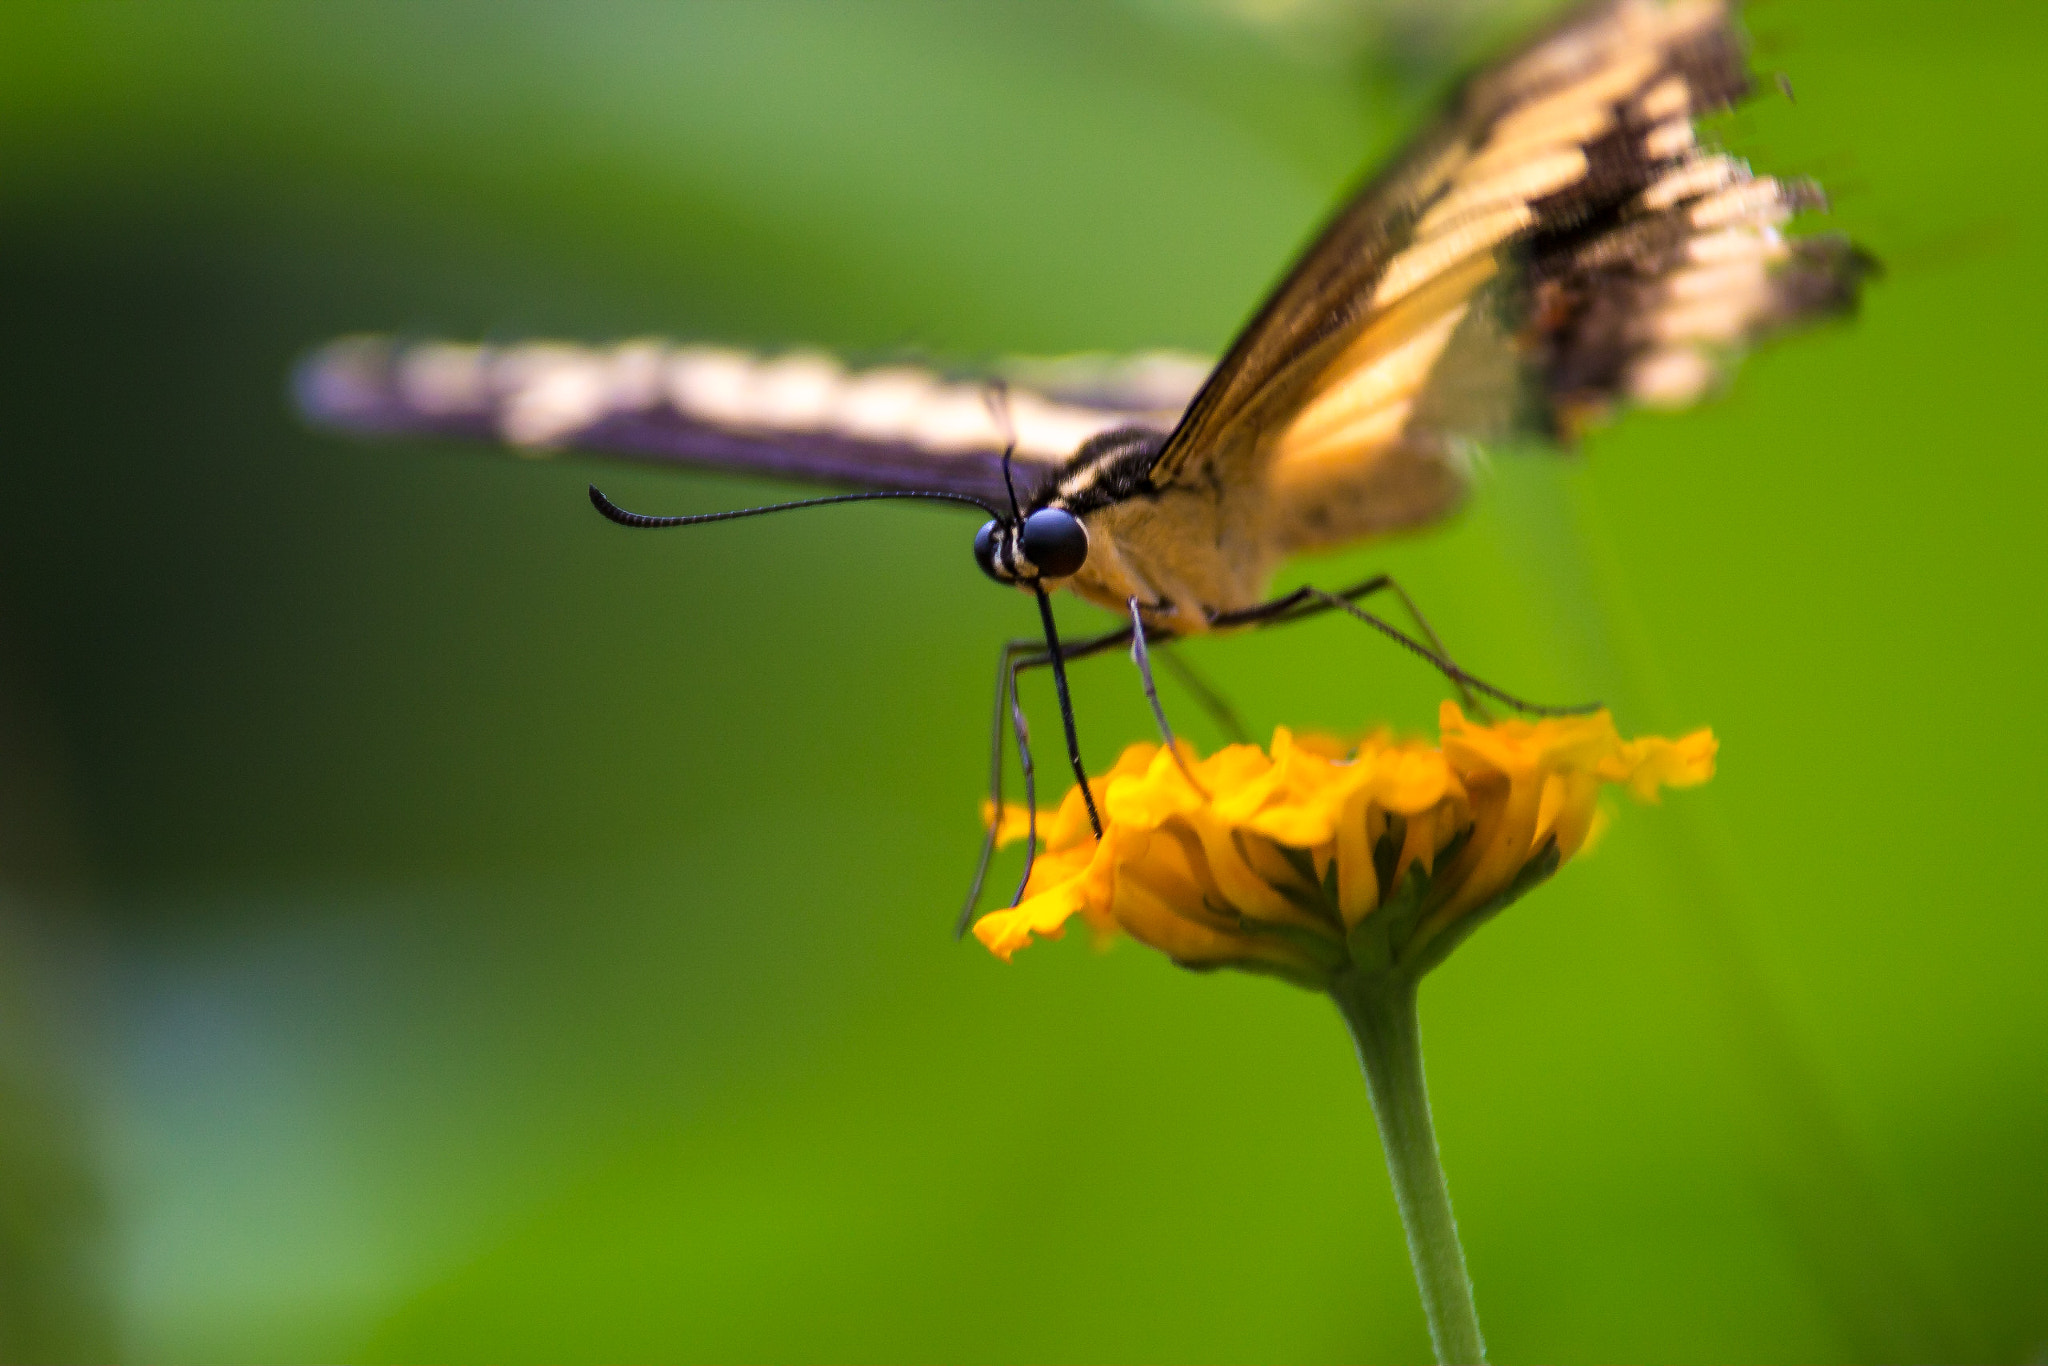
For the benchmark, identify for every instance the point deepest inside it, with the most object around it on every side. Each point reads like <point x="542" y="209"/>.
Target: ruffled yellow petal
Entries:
<point x="1650" y="763"/>
<point x="1004" y="932"/>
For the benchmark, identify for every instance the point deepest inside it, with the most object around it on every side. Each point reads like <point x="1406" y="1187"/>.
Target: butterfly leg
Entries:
<point x="1305" y="602"/>
<point x="1007" y="664"/>
<point x="1023" y="734"/>
<point x="1143" y="659"/>
<point x="1015" y="657"/>
<point x="1465" y="694"/>
<point x="1441" y="662"/>
<point x="1289" y="607"/>
<point x="1311" y="601"/>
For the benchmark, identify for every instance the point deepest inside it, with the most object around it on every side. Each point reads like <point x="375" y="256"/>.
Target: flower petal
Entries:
<point x="1046" y="915"/>
<point x="1015" y="824"/>
<point x="1271" y="860"/>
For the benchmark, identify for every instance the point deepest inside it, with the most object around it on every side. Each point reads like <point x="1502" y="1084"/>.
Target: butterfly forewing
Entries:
<point x="1558" y="243"/>
<point x="800" y="415"/>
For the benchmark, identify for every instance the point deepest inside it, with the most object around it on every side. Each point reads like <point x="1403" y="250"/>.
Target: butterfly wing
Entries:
<point x="800" y="416"/>
<point x="1558" y="243"/>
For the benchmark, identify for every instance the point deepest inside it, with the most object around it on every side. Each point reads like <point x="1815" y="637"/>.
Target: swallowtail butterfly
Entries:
<point x="1557" y="244"/>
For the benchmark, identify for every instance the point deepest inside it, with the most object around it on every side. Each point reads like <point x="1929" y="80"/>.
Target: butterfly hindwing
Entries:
<point x="800" y="416"/>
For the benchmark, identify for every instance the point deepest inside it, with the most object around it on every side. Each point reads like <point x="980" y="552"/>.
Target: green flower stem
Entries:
<point x="1380" y="1009"/>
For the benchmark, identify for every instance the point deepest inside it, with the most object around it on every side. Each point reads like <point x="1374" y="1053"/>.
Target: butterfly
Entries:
<point x="1557" y="244"/>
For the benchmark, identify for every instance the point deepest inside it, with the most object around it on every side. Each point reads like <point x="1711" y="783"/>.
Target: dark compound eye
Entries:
<point x="1055" y="541"/>
<point x="985" y="548"/>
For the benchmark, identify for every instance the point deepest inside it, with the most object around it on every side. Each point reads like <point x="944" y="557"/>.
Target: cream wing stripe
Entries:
<point x="1391" y="378"/>
<point x="542" y="394"/>
<point x="1693" y="178"/>
<point x="1529" y="180"/>
<point x="1422" y="262"/>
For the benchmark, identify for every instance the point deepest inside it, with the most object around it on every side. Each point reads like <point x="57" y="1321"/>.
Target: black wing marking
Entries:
<point x="799" y="416"/>
<point x="1557" y="242"/>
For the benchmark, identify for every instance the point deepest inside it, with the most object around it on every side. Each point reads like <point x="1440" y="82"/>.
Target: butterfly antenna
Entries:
<point x="1016" y="513"/>
<point x="613" y="512"/>
<point x="997" y="395"/>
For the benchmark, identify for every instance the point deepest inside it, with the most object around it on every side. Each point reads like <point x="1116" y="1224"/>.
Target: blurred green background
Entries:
<point x="435" y="926"/>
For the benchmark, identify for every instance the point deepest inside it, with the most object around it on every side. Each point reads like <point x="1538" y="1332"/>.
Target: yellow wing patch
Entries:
<point x="1363" y="399"/>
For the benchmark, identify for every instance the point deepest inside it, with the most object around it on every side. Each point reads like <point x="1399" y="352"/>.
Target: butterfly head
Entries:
<point x="1047" y="544"/>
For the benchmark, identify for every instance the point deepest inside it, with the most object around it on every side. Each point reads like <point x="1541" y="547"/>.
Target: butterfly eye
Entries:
<point x="985" y="548"/>
<point x="1055" y="541"/>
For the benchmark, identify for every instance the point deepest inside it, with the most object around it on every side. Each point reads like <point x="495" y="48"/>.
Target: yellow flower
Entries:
<point x="1319" y="857"/>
